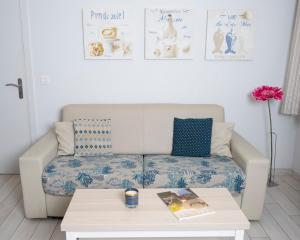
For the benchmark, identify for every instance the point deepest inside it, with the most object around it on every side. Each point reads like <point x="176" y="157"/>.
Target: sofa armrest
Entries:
<point x="32" y="163"/>
<point x="256" y="167"/>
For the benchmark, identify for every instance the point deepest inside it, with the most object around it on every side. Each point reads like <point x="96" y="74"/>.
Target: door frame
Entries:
<point x="28" y="66"/>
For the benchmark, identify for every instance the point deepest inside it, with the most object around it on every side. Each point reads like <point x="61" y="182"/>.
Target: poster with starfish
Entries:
<point x="168" y="33"/>
<point x="229" y="35"/>
<point x="107" y="33"/>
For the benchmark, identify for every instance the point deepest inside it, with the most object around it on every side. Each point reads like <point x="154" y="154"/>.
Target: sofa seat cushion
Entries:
<point x="165" y="171"/>
<point x="66" y="173"/>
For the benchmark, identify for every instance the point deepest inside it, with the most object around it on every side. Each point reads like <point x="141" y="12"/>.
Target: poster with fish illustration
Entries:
<point x="168" y="33"/>
<point x="229" y="35"/>
<point x="107" y="33"/>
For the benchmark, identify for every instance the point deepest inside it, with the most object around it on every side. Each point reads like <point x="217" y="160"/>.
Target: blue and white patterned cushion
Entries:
<point x="66" y="173"/>
<point x="92" y="137"/>
<point x="165" y="171"/>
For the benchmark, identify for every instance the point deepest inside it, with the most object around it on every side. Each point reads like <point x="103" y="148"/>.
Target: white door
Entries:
<point x="14" y="118"/>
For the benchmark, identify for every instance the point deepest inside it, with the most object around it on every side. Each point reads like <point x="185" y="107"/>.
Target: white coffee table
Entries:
<point x="101" y="213"/>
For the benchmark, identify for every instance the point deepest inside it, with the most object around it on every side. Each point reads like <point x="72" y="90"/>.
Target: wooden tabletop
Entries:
<point x="104" y="210"/>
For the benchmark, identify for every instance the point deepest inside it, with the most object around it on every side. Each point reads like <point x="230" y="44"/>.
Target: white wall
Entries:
<point x="57" y="50"/>
<point x="296" y="163"/>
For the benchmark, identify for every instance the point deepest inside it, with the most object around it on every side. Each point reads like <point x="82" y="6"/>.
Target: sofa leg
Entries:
<point x="70" y="236"/>
<point x="239" y="235"/>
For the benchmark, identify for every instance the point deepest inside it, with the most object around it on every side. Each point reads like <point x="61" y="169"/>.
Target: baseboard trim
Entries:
<point x="283" y="171"/>
<point x="295" y="175"/>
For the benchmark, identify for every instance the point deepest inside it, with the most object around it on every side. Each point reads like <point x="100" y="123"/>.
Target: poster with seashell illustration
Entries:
<point x="168" y="33"/>
<point x="230" y="35"/>
<point x="107" y="33"/>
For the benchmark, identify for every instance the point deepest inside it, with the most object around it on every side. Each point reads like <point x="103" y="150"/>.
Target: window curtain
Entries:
<point x="291" y="103"/>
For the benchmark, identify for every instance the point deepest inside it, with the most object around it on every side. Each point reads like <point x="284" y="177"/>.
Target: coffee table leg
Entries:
<point x="70" y="236"/>
<point x="239" y="235"/>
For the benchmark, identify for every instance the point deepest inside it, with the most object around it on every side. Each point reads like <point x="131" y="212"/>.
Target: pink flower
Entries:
<point x="266" y="93"/>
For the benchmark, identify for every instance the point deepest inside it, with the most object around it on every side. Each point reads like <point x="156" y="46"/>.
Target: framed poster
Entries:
<point x="168" y="33"/>
<point x="107" y="33"/>
<point x="229" y="35"/>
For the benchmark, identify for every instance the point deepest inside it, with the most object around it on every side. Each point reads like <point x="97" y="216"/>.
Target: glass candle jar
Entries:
<point x="131" y="197"/>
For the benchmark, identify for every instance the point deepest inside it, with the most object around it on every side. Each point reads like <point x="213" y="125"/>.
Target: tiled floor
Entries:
<point x="280" y="220"/>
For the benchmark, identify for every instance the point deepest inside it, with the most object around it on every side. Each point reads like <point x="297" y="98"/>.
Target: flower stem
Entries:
<point x="271" y="135"/>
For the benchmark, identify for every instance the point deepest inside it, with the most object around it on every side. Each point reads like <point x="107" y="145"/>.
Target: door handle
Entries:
<point x="19" y="86"/>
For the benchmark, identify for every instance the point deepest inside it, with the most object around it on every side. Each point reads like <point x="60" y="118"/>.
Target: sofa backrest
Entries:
<point x="142" y="128"/>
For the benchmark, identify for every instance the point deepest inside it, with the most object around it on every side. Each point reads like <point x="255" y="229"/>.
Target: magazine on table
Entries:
<point x="185" y="204"/>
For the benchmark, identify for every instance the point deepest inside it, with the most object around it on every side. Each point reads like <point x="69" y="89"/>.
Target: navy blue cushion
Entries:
<point x="192" y="137"/>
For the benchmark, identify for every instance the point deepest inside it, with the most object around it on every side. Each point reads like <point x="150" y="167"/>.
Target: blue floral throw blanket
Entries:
<point x="66" y="173"/>
<point x="165" y="171"/>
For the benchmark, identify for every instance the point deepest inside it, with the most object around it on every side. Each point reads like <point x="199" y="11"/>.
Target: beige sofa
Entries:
<point x="138" y="129"/>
